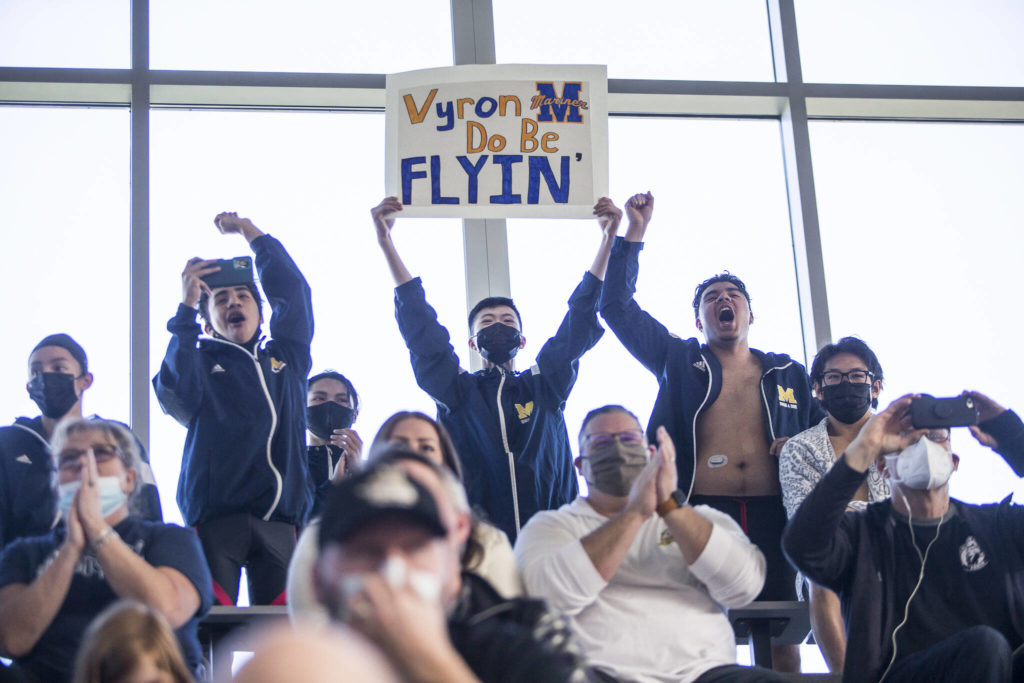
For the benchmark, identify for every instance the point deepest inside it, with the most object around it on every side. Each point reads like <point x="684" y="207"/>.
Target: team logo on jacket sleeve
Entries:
<point x="786" y="397"/>
<point x="524" y="412"/>
<point x="276" y="365"/>
<point x="971" y="555"/>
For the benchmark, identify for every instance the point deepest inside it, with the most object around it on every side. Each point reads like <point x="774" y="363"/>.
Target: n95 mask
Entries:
<point x="922" y="466"/>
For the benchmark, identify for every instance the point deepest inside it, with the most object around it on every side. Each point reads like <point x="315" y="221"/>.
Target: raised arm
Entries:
<point x="288" y="293"/>
<point x="639" y="332"/>
<point x="558" y="360"/>
<point x="1000" y="429"/>
<point x="384" y="219"/>
<point x="608" y="218"/>
<point x="178" y="384"/>
<point x="639" y="209"/>
<point x="433" y="358"/>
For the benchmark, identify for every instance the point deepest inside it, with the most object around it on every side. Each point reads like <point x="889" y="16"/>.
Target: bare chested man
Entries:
<point x="728" y="407"/>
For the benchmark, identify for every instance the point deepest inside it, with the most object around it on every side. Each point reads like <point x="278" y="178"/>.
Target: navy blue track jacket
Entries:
<point x="508" y="427"/>
<point x="689" y="375"/>
<point x="245" y="412"/>
<point x="28" y="480"/>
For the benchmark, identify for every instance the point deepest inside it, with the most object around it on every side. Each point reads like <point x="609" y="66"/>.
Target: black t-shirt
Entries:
<point x="962" y="585"/>
<point x="161" y="545"/>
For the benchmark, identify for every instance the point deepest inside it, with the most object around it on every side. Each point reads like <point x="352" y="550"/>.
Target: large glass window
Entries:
<point x="300" y="35"/>
<point x="647" y="39"/>
<point x="939" y="42"/>
<point x="720" y="204"/>
<point x="921" y="229"/>
<point x="49" y="33"/>
<point x="64" y="262"/>
<point x="310" y="180"/>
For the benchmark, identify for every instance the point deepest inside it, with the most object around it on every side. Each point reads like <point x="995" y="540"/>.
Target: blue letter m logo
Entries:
<point x="559" y="108"/>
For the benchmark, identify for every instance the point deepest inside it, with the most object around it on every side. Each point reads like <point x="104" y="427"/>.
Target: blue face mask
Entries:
<point x="111" y="495"/>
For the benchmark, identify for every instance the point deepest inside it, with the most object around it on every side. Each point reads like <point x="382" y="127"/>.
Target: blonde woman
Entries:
<point x="130" y="643"/>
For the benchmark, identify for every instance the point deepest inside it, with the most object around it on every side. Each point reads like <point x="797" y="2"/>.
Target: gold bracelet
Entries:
<point x="104" y="536"/>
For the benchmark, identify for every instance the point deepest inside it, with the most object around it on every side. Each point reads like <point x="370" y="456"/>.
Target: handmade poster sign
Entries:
<point x="498" y="141"/>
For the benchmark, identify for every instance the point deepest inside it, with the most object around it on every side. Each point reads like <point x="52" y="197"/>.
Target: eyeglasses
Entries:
<point x="71" y="461"/>
<point x="630" y="437"/>
<point x="833" y="377"/>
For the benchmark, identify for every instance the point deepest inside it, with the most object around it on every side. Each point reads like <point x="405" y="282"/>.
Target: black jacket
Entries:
<point x="854" y="554"/>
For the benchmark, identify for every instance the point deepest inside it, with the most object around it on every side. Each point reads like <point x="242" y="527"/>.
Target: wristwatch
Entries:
<point x="676" y="499"/>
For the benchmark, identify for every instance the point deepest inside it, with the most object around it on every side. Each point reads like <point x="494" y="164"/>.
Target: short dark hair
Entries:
<point x="604" y="410"/>
<point x="68" y="344"/>
<point x="204" y="302"/>
<point x="449" y="456"/>
<point x="846" y="345"/>
<point x="353" y="397"/>
<point x="724" y="276"/>
<point x="491" y="302"/>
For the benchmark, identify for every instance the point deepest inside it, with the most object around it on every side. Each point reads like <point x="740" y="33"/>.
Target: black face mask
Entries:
<point x="846" y="402"/>
<point x="498" y="343"/>
<point x="323" y="418"/>
<point x="53" y="392"/>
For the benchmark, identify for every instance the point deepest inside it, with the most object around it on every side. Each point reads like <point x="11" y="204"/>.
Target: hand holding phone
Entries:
<point x="928" y="412"/>
<point x="230" y="272"/>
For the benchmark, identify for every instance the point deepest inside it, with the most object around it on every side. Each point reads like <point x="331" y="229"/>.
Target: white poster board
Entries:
<point x="498" y="141"/>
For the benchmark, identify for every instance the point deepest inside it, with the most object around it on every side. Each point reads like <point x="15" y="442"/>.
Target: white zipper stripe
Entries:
<point x="767" y="409"/>
<point x="33" y="433"/>
<point x="711" y="379"/>
<point x="511" y="459"/>
<point x="273" y="422"/>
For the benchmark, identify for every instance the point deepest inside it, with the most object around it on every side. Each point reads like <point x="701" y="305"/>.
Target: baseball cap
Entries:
<point x="367" y="496"/>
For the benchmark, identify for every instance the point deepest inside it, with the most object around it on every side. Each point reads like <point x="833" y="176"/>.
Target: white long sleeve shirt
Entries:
<point x="657" y="619"/>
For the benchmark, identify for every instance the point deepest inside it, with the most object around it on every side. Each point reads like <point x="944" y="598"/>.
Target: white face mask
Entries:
<point x="111" y="495"/>
<point x="397" y="573"/>
<point x="922" y="466"/>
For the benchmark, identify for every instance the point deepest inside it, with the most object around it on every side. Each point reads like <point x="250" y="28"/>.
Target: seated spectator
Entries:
<point x="52" y="586"/>
<point x="509" y="426"/>
<point x="130" y="642"/>
<point x="646" y="592"/>
<point x="285" y="654"/>
<point x="487" y="552"/>
<point x="931" y="587"/>
<point x="847" y="378"/>
<point x="58" y="378"/>
<point x="244" y="484"/>
<point x="483" y="549"/>
<point x="387" y="567"/>
<point x="332" y="406"/>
